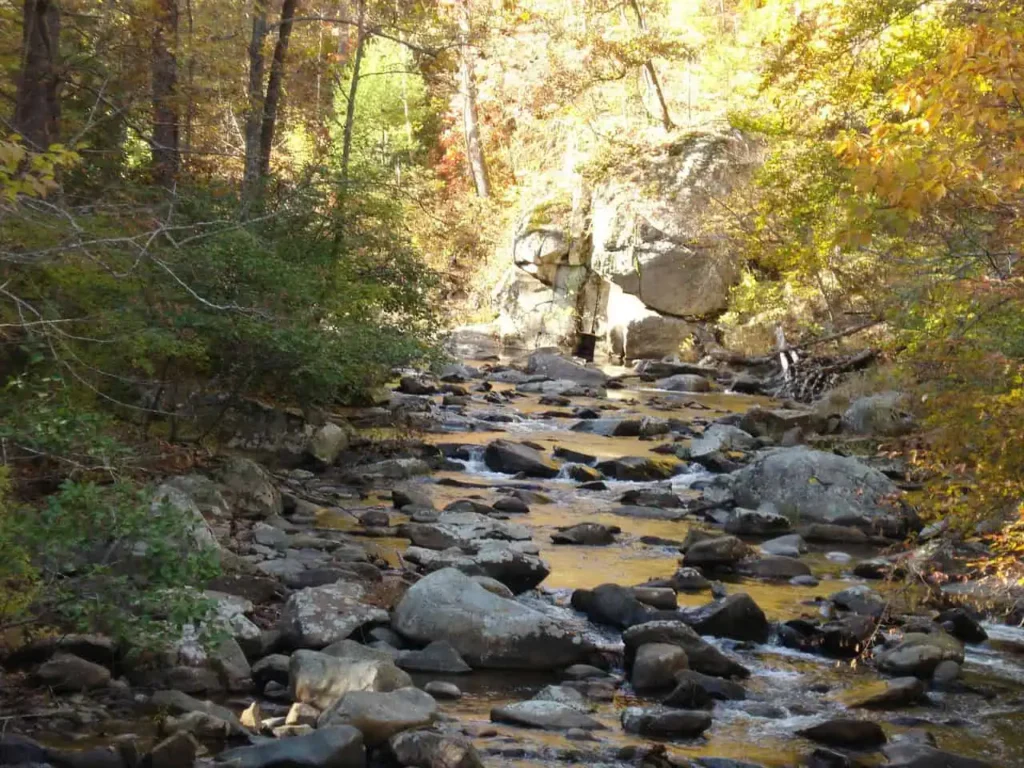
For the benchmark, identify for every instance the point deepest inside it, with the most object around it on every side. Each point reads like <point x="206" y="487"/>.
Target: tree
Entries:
<point x="255" y="100"/>
<point x="470" y="118"/>
<point x="275" y="85"/>
<point x="650" y="73"/>
<point x="164" y="140"/>
<point x="37" y="108"/>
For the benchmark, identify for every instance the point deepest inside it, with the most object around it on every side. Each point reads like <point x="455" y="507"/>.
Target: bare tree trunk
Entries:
<point x="470" y="118"/>
<point x="651" y="73"/>
<point x="190" y="79"/>
<point x="275" y="85"/>
<point x="254" y="113"/>
<point x="164" y="141"/>
<point x="350" y="109"/>
<point x="37" y="108"/>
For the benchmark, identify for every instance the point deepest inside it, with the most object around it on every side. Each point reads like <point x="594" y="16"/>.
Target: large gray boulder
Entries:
<point x="721" y="437"/>
<point x="636" y="332"/>
<point x="512" y="458"/>
<point x="665" y="723"/>
<point x="486" y="630"/>
<point x="736" y="616"/>
<point x="336" y="747"/>
<point x="503" y="561"/>
<point x="548" y="715"/>
<point x="318" y="616"/>
<point x="882" y="414"/>
<point x="555" y="366"/>
<point x="379" y="716"/>
<point x="427" y="749"/>
<point x="250" y="488"/>
<point x="702" y="656"/>
<point x="811" y="486"/>
<point x="318" y="679"/>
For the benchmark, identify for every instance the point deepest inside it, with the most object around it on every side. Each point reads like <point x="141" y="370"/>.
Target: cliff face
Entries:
<point x="631" y="262"/>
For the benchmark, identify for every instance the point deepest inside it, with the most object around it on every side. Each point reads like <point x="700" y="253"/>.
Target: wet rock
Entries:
<point x="340" y="747"/>
<point x="318" y="616"/>
<point x="645" y="497"/>
<point x="715" y="552"/>
<point x="554" y="366"/>
<point x="814" y="486"/>
<point x="715" y="687"/>
<point x="828" y="532"/>
<point x="16" y="749"/>
<point x="908" y="754"/>
<point x="806" y="580"/>
<point x="688" y="694"/>
<point x="427" y="749"/>
<point x="438" y="657"/>
<point x="548" y="715"/>
<point x="581" y="473"/>
<point x="684" y="382"/>
<point x="946" y="673"/>
<point x="178" y="703"/>
<point x="876" y="568"/>
<point x="513" y="458"/>
<point x="563" y="695"/>
<point x="774" y="567"/>
<point x="177" y="751"/>
<point x="861" y="600"/>
<point x="962" y="625"/>
<point x="736" y="616"/>
<point x="721" y="437"/>
<point x="655" y="666"/>
<point x="687" y="579"/>
<point x="498" y="560"/>
<point x="379" y="716"/>
<point x="612" y="605"/>
<point x="406" y="497"/>
<point x="587" y="534"/>
<point x="756" y="522"/>
<point x="350" y="650"/>
<point x="582" y="672"/>
<point x="318" y="679"/>
<point x="703" y="657"/>
<point x="662" y="598"/>
<point x="428" y="536"/>
<point x="375" y="518"/>
<point x="640" y="468"/>
<point x="443" y="690"/>
<point x="846" y="732"/>
<point x="919" y="654"/>
<point x="250" y="489"/>
<point x="662" y="723"/>
<point x="650" y="513"/>
<point x="487" y="630"/>
<point x="67" y="672"/>
<point x="884" y="694"/>
<point x="843" y="638"/>
<point x="512" y="506"/>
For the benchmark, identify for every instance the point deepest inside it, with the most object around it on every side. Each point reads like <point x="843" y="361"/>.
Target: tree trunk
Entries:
<point x="350" y="109"/>
<point x="254" y="113"/>
<point x="275" y="85"/>
<point x="37" y="109"/>
<point x="164" y="141"/>
<point x="651" y="74"/>
<point x="470" y="118"/>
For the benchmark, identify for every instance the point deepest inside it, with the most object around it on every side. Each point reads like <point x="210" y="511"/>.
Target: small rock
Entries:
<point x="440" y="689"/>
<point x="655" y="666"/>
<point x="548" y="715"/>
<point x="252" y="717"/>
<point x="665" y="723"/>
<point x="438" y="657"/>
<point x="845" y="732"/>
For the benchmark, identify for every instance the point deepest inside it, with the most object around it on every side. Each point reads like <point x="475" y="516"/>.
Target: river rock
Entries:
<point x="379" y="716"/>
<point x="611" y="604"/>
<point x="318" y="679"/>
<point x="861" y="600"/>
<point x="775" y="423"/>
<point x="648" y="497"/>
<point x="443" y="690"/>
<point x="438" y="657"/>
<point x="846" y="732"/>
<point x="884" y="694"/>
<point x="587" y="534"/>
<point x="511" y="505"/>
<point x="684" y="382"/>
<point x="702" y="656"/>
<point x="790" y="545"/>
<point x="548" y="715"/>
<point x="327" y="443"/>
<point x="715" y="552"/>
<point x="640" y="468"/>
<point x="335" y="747"/>
<point x="663" y="723"/>
<point x="250" y="488"/>
<point x="736" y="616"/>
<point x="715" y="687"/>
<point x="774" y="567"/>
<point x="649" y="513"/>
<point x="661" y="598"/>
<point x="555" y="366"/>
<point x="499" y="560"/>
<point x="918" y="654"/>
<point x="814" y="486"/>
<point x="655" y="666"/>
<point x="513" y="458"/>
<point x="688" y="579"/>
<point x="688" y="694"/>
<point x="67" y="672"/>
<point x="756" y="522"/>
<point x="486" y="630"/>
<point x="721" y="437"/>
<point x="883" y="414"/>
<point x="176" y="751"/>
<point x="912" y="754"/>
<point x="417" y="384"/>
<point x="962" y="625"/>
<point x="318" y="616"/>
<point x="563" y="695"/>
<point x="427" y="749"/>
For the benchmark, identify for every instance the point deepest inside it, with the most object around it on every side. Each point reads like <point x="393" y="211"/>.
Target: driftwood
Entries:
<point x="753" y="361"/>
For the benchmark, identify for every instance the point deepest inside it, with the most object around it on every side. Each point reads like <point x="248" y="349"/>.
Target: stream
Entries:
<point x="788" y="690"/>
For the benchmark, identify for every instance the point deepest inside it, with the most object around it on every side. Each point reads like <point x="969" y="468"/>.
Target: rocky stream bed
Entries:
<point x="569" y="569"/>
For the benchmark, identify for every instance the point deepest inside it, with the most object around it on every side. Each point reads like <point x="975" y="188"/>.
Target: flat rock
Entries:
<point x="513" y="458"/>
<point x="663" y="723"/>
<point x="846" y="732"/>
<point x="884" y="694"/>
<point x="548" y="715"/>
<point x="335" y="747"/>
<point x="587" y="534"/>
<point x="66" y="672"/>
<point x="379" y="716"/>
<point x="318" y="616"/>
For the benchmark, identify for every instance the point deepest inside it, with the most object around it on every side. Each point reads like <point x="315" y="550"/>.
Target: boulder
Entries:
<point x="427" y="749"/>
<point x="861" y="600"/>
<point x="736" y="616"/>
<point x="205" y="494"/>
<point x="684" y="382"/>
<point x="721" y="437"/>
<point x="649" y="497"/>
<point x="918" y="654"/>
<point x="715" y="687"/>
<point x="587" y="534"/>
<point x="913" y="754"/>
<point x="883" y="414"/>
<point x="328" y="442"/>
<point x="487" y="630"/>
<point x="318" y="616"/>
<point x="688" y="579"/>
<point x="715" y="552"/>
<point x="636" y="332"/>
<point x="443" y="690"/>
<point x="438" y="657"/>
<point x="640" y="468"/>
<point x="790" y="545"/>
<point x="318" y="679"/>
<point x="664" y="723"/>
<point x="702" y="656"/>
<point x="66" y="672"/>
<point x="168" y="499"/>
<point x="962" y="625"/>
<point x="611" y="605"/>
<point x="655" y="666"/>
<point x="417" y="384"/>
<point x="775" y="423"/>
<point x="774" y="568"/>
<point x="379" y="716"/>
<point x="250" y="488"/>
<point x="176" y="751"/>
<point x="335" y="747"/>
<point x="845" y="732"/>
<point x="756" y="522"/>
<point x="548" y="715"/>
<point x="650" y="513"/>
<point x="662" y="598"/>
<point x="498" y="560"/>
<point x="555" y="366"/>
<point x="884" y="694"/>
<point x="513" y="458"/>
<point x="814" y="486"/>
